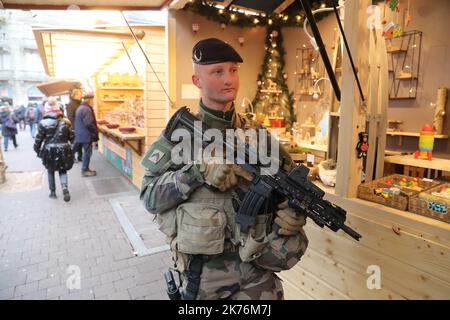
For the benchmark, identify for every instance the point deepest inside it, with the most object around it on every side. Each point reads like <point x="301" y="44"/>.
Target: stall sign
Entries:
<point x="119" y="156"/>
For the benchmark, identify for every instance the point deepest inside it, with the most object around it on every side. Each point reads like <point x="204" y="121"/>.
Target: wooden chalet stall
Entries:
<point x="130" y="105"/>
<point x="409" y="252"/>
<point x="402" y="254"/>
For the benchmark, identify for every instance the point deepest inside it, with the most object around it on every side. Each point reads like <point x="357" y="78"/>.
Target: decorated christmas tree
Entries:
<point x="273" y="97"/>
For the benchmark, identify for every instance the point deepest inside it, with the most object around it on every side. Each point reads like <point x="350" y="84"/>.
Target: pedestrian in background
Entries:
<point x="32" y="118"/>
<point x="53" y="146"/>
<point x="9" y="126"/>
<point x="75" y="100"/>
<point x="86" y="132"/>
<point x="19" y="114"/>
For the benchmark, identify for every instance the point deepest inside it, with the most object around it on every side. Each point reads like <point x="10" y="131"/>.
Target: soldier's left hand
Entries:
<point x="289" y="221"/>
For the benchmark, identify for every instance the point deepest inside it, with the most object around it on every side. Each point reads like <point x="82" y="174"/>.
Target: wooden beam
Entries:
<point x="349" y="167"/>
<point x="283" y="6"/>
<point x="178" y="4"/>
<point x="41" y="49"/>
<point x="92" y="32"/>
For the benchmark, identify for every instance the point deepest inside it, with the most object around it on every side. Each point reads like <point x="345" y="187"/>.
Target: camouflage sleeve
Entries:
<point x="282" y="252"/>
<point x="164" y="184"/>
<point x="163" y="192"/>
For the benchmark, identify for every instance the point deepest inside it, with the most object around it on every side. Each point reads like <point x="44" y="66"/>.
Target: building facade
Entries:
<point x="21" y="68"/>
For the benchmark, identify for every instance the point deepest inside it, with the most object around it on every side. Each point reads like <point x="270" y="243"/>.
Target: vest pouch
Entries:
<point x="200" y="228"/>
<point x="167" y="223"/>
<point x="261" y="227"/>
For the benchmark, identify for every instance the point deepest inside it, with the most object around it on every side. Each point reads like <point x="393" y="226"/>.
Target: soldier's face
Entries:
<point x="218" y="83"/>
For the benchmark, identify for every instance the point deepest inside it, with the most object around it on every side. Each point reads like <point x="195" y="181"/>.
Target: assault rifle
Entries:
<point x="303" y="196"/>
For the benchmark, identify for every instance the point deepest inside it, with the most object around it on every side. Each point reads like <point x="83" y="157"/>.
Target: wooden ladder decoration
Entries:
<point x="333" y="130"/>
<point x="376" y="117"/>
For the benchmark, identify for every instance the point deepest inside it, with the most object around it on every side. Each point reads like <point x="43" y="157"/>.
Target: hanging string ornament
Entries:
<point x="407" y="16"/>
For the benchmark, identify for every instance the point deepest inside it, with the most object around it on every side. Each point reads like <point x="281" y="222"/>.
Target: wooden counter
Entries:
<point x="411" y="252"/>
<point x="417" y="167"/>
<point x="125" y="138"/>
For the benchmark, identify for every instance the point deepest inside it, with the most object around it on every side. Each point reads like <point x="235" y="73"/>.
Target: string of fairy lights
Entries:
<point x="245" y="18"/>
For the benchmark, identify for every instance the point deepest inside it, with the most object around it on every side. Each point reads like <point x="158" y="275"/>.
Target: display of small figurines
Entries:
<point x="319" y="138"/>
<point x="128" y="113"/>
<point x="307" y="139"/>
<point x="394" y="125"/>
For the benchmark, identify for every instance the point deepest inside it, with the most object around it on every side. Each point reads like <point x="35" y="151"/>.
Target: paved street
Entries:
<point x="103" y="235"/>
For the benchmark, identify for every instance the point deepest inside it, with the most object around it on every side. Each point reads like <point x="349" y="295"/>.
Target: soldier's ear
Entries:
<point x="196" y="81"/>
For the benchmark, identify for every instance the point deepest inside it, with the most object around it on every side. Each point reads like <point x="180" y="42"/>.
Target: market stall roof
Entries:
<point x="79" y="53"/>
<point x="85" y="4"/>
<point x="58" y="87"/>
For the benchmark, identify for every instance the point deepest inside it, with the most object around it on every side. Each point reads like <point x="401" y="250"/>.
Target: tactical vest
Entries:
<point x="205" y="223"/>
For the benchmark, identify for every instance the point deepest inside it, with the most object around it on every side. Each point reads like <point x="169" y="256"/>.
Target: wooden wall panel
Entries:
<point x="341" y="263"/>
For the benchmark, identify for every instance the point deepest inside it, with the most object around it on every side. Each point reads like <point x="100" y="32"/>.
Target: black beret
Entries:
<point x="212" y="50"/>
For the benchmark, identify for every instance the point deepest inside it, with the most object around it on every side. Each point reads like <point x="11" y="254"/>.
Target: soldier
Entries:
<point x="215" y="259"/>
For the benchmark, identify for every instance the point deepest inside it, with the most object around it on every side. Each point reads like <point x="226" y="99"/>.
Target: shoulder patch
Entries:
<point x="156" y="156"/>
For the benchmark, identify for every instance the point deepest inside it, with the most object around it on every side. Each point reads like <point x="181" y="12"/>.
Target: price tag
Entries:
<point x="310" y="158"/>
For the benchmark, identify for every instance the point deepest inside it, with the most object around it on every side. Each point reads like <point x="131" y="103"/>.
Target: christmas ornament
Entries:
<point x="393" y="4"/>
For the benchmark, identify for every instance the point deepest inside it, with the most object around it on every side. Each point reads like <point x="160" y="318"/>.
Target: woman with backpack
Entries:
<point x="9" y="127"/>
<point x="53" y="146"/>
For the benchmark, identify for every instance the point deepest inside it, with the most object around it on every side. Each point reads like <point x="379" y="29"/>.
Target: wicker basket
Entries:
<point x="432" y="206"/>
<point x="366" y="191"/>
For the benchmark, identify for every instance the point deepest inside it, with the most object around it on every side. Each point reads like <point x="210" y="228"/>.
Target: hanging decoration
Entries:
<point x="273" y="97"/>
<point x="233" y="16"/>
<point x="407" y="16"/>
<point x="394" y="5"/>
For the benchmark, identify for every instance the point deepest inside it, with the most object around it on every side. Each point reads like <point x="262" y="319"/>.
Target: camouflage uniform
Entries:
<point x="197" y="220"/>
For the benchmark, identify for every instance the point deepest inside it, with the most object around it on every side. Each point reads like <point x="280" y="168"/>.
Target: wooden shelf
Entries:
<point x="313" y="147"/>
<point x="409" y="160"/>
<point x="121" y="88"/>
<point x="335" y="114"/>
<point x="111" y="100"/>
<point x="413" y="134"/>
<point x="403" y="98"/>
<point x="397" y="51"/>
<point x="406" y="78"/>
<point x="134" y="140"/>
